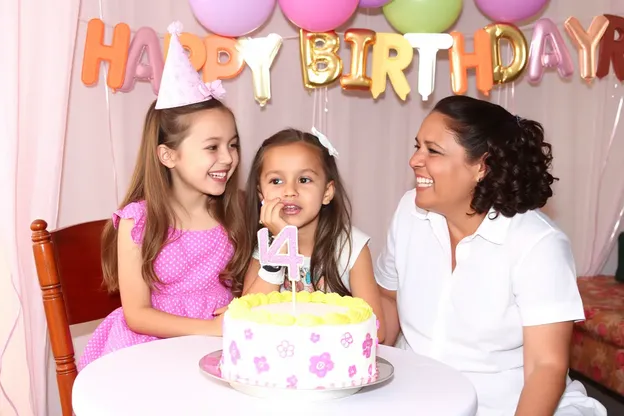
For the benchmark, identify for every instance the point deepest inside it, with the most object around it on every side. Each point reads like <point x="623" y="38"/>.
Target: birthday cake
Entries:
<point x="320" y="341"/>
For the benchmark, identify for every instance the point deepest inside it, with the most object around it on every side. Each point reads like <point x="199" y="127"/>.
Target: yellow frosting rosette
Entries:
<point x="357" y="310"/>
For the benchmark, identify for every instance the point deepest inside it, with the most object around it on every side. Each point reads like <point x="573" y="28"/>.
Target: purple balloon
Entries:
<point x="318" y="15"/>
<point x="510" y="11"/>
<point x="372" y="4"/>
<point x="232" y="18"/>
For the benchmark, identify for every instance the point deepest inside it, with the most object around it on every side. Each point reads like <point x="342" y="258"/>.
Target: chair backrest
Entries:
<point x="69" y="269"/>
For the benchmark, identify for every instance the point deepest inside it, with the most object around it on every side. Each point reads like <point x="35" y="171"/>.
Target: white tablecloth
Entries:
<point x="163" y="378"/>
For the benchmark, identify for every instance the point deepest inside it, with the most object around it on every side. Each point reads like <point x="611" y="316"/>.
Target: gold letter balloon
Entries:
<point x="507" y="73"/>
<point x="361" y="41"/>
<point x="320" y="63"/>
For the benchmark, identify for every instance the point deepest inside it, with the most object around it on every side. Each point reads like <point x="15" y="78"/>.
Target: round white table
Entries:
<point x="163" y="378"/>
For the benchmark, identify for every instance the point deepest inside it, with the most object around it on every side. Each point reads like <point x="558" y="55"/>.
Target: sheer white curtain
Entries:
<point x="583" y="122"/>
<point x="38" y="49"/>
<point x="374" y="138"/>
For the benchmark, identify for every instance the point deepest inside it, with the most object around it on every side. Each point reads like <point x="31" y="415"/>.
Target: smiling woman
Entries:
<point x="483" y="280"/>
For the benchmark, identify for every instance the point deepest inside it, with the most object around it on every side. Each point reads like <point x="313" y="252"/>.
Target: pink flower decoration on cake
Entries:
<point x="347" y="340"/>
<point x="321" y="364"/>
<point x="248" y="334"/>
<point x="367" y="346"/>
<point x="261" y="364"/>
<point x="352" y="371"/>
<point x="370" y="369"/>
<point x="315" y="337"/>
<point x="234" y="352"/>
<point x="292" y="382"/>
<point x="285" y="349"/>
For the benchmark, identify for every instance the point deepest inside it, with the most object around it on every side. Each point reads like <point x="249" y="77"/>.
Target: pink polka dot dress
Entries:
<point x="189" y="267"/>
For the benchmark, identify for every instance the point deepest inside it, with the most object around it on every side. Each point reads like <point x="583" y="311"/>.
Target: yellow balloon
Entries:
<point x="507" y="73"/>
<point x="361" y="41"/>
<point x="391" y="66"/>
<point x="320" y="63"/>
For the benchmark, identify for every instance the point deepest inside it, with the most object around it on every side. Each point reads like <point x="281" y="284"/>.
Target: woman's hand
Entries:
<point x="270" y="216"/>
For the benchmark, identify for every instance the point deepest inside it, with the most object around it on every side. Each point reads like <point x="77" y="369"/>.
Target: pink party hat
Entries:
<point x="181" y="84"/>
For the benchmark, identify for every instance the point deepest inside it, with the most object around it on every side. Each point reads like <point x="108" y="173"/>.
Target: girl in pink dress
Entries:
<point x="168" y="248"/>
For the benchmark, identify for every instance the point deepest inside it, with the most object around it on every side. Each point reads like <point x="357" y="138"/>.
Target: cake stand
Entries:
<point x="209" y="366"/>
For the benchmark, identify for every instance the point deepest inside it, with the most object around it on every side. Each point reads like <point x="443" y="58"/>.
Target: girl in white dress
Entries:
<point x="294" y="180"/>
<point x="476" y="276"/>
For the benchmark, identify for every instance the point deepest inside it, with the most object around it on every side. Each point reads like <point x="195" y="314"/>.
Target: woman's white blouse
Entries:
<point x="512" y="272"/>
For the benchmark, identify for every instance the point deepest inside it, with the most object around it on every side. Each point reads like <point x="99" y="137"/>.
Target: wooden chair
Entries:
<point x="69" y="268"/>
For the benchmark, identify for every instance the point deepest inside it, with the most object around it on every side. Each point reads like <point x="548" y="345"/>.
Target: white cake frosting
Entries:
<point x="327" y="341"/>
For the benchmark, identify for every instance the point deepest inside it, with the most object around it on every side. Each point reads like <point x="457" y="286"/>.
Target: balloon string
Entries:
<point x="314" y="104"/>
<point x="108" y="116"/>
<point x="597" y="215"/>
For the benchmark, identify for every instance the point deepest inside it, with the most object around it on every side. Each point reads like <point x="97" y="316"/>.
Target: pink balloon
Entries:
<point x="232" y="18"/>
<point x="510" y="11"/>
<point x="318" y="15"/>
<point x="371" y="4"/>
<point x="546" y="32"/>
<point x="145" y="40"/>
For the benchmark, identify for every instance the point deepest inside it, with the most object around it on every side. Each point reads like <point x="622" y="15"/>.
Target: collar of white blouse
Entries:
<point x="493" y="229"/>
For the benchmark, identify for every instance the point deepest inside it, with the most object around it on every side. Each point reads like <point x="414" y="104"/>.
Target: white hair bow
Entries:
<point x="325" y="142"/>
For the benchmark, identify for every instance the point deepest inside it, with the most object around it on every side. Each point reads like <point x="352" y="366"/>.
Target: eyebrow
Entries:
<point x="430" y="143"/>
<point x="277" y="172"/>
<point x="207" y="139"/>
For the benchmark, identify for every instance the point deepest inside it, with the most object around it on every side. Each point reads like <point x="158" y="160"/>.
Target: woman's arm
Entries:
<point x="546" y="358"/>
<point x="140" y="316"/>
<point x="363" y="285"/>
<point x="254" y="283"/>
<point x="391" y="315"/>
<point x="546" y="292"/>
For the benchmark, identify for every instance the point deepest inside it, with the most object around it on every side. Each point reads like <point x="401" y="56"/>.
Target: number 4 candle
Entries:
<point x="270" y="254"/>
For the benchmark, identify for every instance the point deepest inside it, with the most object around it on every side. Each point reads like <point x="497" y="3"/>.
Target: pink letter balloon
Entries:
<point x="232" y="18"/>
<point x="372" y="4"/>
<point x="510" y="11"/>
<point x="318" y="15"/>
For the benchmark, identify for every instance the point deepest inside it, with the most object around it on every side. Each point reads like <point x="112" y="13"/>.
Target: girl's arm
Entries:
<point x="254" y="283"/>
<point x="391" y="315"/>
<point x="363" y="285"/>
<point x="140" y="316"/>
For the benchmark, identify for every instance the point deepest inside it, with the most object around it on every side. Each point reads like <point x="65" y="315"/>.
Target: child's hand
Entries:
<point x="270" y="216"/>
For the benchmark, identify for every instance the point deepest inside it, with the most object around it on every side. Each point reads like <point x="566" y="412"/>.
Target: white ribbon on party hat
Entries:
<point x="213" y="89"/>
<point x="325" y="142"/>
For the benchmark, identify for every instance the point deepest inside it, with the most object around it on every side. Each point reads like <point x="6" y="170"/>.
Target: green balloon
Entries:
<point x="422" y="16"/>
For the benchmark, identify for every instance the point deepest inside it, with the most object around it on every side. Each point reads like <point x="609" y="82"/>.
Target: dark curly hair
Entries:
<point x="517" y="158"/>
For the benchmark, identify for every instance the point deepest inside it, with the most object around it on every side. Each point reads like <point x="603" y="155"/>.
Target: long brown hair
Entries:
<point x="333" y="232"/>
<point x="151" y="181"/>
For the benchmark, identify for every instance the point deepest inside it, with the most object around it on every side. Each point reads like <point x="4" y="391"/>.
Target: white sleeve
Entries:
<point x="385" y="267"/>
<point x="358" y="241"/>
<point x="544" y="283"/>
<point x="350" y="252"/>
